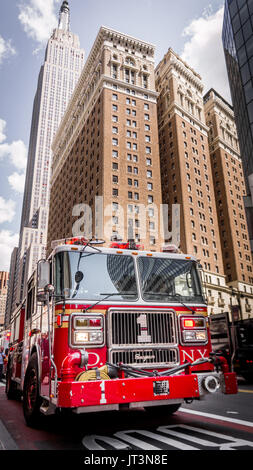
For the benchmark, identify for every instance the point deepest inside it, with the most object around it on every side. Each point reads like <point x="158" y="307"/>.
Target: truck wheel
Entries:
<point x="10" y="387"/>
<point x="31" y="397"/>
<point x="163" y="410"/>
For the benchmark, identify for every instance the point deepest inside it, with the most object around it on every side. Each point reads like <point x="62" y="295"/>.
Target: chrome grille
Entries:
<point x="145" y="357"/>
<point x="144" y="338"/>
<point x="125" y="328"/>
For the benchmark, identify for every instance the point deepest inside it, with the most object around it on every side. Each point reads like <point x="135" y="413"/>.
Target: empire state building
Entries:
<point x="64" y="60"/>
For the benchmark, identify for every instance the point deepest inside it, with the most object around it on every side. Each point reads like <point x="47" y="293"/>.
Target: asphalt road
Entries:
<point x="221" y="422"/>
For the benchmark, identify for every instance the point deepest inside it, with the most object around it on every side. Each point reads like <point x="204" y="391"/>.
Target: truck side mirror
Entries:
<point x="43" y="278"/>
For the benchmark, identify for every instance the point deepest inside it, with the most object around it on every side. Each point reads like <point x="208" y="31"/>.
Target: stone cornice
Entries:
<point x="91" y="68"/>
<point x="173" y="61"/>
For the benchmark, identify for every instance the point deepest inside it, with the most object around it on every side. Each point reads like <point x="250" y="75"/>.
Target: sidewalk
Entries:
<point x="6" y="441"/>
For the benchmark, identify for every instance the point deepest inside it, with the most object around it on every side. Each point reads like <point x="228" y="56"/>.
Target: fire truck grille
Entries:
<point x="142" y="327"/>
<point x="142" y="337"/>
<point x="145" y="357"/>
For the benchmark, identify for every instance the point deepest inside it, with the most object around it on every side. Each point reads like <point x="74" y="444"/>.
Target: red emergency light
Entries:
<point x="126" y="246"/>
<point x="75" y="241"/>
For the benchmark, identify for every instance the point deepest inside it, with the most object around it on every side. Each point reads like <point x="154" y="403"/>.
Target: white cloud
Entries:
<point x="17" y="182"/>
<point x="2" y="130"/>
<point x="203" y="51"/>
<point x="38" y="18"/>
<point x="8" y="241"/>
<point x="7" y="210"/>
<point x="6" y="49"/>
<point x="16" y="152"/>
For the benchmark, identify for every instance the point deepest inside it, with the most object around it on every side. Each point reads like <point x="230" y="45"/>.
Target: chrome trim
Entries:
<point x="144" y="364"/>
<point x="204" y="328"/>
<point x="168" y="402"/>
<point x="90" y="409"/>
<point x="130" y="330"/>
<point x="84" y="345"/>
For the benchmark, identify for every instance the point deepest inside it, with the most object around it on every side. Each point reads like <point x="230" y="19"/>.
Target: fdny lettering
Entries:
<point x="95" y="460"/>
<point x="194" y="354"/>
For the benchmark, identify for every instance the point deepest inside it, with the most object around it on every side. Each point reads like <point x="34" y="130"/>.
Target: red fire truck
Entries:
<point x="112" y="328"/>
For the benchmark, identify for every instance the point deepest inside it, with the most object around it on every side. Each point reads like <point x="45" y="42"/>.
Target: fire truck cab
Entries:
<point x="111" y="328"/>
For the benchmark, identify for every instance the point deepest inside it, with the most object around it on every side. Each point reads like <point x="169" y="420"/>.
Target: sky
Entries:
<point x="192" y="28"/>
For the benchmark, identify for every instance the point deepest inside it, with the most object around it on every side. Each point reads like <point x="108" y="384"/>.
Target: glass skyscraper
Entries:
<point x="237" y="37"/>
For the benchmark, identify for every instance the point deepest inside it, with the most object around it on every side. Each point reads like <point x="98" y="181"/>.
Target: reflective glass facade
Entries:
<point x="237" y="37"/>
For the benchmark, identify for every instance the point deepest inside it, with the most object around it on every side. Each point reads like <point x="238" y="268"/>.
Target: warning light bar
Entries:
<point x="127" y="246"/>
<point x="170" y="249"/>
<point x="76" y="241"/>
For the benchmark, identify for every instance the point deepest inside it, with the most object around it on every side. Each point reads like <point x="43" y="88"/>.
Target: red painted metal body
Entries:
<point x="61" y="360"/>
<point x="73" y="394"/>
<point x="132" y="390"/>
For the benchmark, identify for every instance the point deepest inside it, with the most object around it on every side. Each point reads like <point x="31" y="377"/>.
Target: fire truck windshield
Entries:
<point x="86" y="275"/>
<point x="164" y="279"/>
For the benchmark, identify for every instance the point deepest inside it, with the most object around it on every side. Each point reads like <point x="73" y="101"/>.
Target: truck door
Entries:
<point x="221" y="335"/>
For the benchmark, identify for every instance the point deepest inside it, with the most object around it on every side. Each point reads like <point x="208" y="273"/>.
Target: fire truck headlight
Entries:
<point x="81" y="337"/>
<point x="87" y="330"/>
<point x="193" y="336"/>
<point x="193" y="329"/>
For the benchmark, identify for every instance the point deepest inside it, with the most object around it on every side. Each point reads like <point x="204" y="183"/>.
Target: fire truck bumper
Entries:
<point x="133" y="392"/>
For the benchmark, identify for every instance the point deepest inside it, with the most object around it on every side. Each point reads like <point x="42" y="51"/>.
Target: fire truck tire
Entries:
<point x="163" y="410"/>
<point x="31" y="396"/>
<point x="10" y="387"/>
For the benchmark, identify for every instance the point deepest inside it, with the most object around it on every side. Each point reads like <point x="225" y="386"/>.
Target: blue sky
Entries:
<point x="191" y="27"/>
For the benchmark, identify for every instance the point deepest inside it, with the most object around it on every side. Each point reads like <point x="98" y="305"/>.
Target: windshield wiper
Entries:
<point x="107" y="297"/>
<point x="163" y="294"/>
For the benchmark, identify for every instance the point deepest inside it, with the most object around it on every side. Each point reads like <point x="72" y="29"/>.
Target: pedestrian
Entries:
<point x="2" y="356"/>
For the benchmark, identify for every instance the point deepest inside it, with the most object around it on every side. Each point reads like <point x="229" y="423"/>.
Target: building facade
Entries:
<point x="230" y="189"/>
<point x="58" y="76"/>
<point x="4" y="277"/>
<point x="106" y="172"/>
<point x="186" y="168"/>
<point x="237" y="37"/>
<point x="10" y="294"/>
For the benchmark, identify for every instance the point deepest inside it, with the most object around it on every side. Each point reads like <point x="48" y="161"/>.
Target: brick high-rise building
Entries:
<point x="230" y="189"/>
<point x="107" y="147"/>
<point x="186" y="168"/>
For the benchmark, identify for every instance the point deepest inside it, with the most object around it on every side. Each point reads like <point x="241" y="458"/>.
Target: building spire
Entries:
<point x="64" y="16"/>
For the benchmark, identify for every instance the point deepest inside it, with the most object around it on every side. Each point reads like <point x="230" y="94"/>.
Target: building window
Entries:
<point x="114" y="178"/>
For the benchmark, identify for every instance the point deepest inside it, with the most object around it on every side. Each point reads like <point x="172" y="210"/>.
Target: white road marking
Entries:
<point x="219" y="417"/>
<point x="157" y="437"/>
<point x="137" y="438"/>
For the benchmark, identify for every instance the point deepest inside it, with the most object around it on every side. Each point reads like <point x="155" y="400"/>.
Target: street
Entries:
<point x="221" y="422"/>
